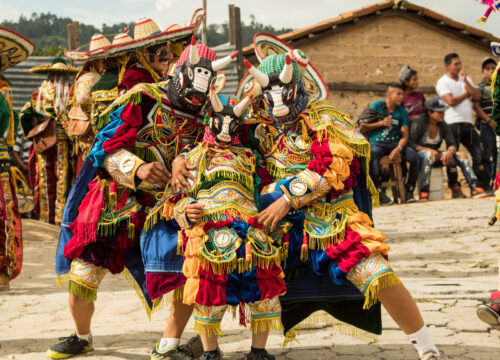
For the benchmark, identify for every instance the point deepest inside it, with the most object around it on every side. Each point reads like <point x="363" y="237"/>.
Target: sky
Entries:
<point x="279" y="13"/>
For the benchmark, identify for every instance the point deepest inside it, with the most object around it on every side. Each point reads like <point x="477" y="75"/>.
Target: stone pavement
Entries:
<point x="434" y="246"/>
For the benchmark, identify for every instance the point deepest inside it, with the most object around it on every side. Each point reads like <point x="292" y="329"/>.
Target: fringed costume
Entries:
<point x="318" y="160"/>
<point x="51" y="171"/>
<point x="14" y="49"/>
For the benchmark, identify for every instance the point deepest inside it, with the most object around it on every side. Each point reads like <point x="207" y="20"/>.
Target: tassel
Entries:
<point x="304" y="251"/>
<point x="113" y="197"/>
<point x="243" y="320"/>
<point x="131" y="230"/>
<point x="286" y="242"/>
<point x="248" y="254"/>
<point x="180" y="242"/>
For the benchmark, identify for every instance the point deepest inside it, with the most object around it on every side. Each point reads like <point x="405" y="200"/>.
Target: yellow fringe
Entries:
<point x="180" y="242"/>
<point x="207" y="330"/>
<point x="263" y="325"/>
<point x="131" y="282"/>
<point x="167" y="299"/>
<point x="82" y="291"/>
<point x="384" y="281"/>
<point x="339" y="327"/>
<point x="220" y="268"/>
<point x="62" y="279"/>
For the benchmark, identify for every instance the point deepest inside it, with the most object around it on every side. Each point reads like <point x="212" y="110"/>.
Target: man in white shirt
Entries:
<point x="456" y="89"/>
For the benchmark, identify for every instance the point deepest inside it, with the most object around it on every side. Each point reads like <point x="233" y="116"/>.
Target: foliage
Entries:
<point x="49" y="31"/>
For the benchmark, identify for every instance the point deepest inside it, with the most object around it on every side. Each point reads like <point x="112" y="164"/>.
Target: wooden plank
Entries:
<point x="238" y="42"/>
<point x="73" y="35"/>
<point x="204" y="25"/>
<point x="232" y="29"/>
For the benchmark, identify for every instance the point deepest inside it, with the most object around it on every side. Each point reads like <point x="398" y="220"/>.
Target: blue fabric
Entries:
<point x="242" y="287"/>
<point x="159" y="248"/>
<point x="337" y="275"/>
<point x="388" y="134"/>
<point x="75" y="196"/>
<point x="133" y="263"/>
<point x="97" y="153"/>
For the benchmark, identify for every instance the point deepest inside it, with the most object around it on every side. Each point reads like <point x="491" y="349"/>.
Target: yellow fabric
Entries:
<point x="192" y="263"/>
<point x="372" y="238"/>
<point x="338" y="171"/>
<point x="497" y="201"/>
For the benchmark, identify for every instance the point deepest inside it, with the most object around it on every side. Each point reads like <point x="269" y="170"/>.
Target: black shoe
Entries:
<point x="211" y="356"/>
<point x="456" y="193"/>
<point x="409" y="197"/>
<point x="172" y="354"/>
<point x="68" y="347"/>
<point x="384" y="199"/>
<point x="260" y="355"/>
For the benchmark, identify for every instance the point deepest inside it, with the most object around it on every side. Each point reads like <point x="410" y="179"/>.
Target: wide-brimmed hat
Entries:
<point x="495" y="48"/>
<point x="146" y="33"/>
<point x="59" y="65"/>
<point x="14" y="48"/>
<point x="266" y="44"/>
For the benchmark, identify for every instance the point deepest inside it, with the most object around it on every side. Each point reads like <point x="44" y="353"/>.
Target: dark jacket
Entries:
<point x="420" y="128"/>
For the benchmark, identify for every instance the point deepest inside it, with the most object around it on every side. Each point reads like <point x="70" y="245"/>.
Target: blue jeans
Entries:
<point x="378" y="150"/>
<point x="489" y="145"/>
<point x="427" y="164"/>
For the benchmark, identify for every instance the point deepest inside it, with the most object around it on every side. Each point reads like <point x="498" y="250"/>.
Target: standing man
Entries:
<point x="390" y="137"/>
<point x="16" y="48"/>
<point x="457" y="89"/>
<point x="483" y="108"/>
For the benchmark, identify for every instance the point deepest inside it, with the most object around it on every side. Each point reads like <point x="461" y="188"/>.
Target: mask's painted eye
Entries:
<point x="218" y="123"/>
<point x="181" y="79"/>
<point x="233" y="126"/>
<point x="290" y="94"/>
<point x="268" y="98"/>
<point x="190" y="73"/>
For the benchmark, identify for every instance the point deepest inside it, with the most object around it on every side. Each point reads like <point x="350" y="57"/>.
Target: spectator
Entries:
<point x="426" y="135"/>
<point x="21" y="152"/>
<point x="413" y="100"/>
<point x="456" y="89"/>
<point x="483" y="108"/>
<point x="390" y="137"/>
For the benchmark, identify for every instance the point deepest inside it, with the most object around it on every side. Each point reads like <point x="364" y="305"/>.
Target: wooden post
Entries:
<point x="235" y="36"/>
<point x="204" y="26"/>
<point x="73" y="35"/>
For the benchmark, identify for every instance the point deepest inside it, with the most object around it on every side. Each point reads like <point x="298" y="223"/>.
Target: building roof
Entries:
<point x="400" y="7"/>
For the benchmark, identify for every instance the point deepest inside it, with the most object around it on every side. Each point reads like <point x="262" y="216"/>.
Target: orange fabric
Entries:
<point x="372" y="238"/>
<point x="338" y="171"/>
<point x="192" y="263"/>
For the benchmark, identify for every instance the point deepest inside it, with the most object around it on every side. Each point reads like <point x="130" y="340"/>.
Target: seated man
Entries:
<point x="427" y="134"/>
<point x="390" y="137"/>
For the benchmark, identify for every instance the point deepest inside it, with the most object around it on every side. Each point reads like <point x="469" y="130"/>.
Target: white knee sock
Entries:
<point x="87" y="337"/>
<point x="168" y="343"/>
<point x="422" y="341"/>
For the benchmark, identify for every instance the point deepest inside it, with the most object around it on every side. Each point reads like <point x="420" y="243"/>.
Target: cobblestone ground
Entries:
<point x="434" y="249"/>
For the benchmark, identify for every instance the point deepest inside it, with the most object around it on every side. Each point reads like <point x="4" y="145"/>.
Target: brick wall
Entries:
<point x="375" y="50"/>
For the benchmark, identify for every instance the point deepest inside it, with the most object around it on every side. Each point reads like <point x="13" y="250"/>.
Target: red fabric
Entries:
<point x="134" y="75"/>
<point x="495" y="295"/>
<point x="497" y="181"/>
<point x="212" y="288"/>
<point x="208" y="137"/>
<point x="159" y="284"/>
<point x="255" y="223"/>
<point x="216" y="224"/>
<point x="322" y="156"/>
<point x="84" y="227"/>
<point x="265" y="177"/>
<point x="3" y="205"/>
<point x="203" y="51"/>
<point x="270" y="282"/>
<point x="349" y="252"/>
<point x="126" y="134"/>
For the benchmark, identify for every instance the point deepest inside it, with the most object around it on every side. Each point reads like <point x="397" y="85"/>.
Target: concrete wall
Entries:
<point x="374" y="51"/>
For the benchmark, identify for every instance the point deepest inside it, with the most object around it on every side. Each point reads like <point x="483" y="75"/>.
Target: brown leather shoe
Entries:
<point x="4" y="282"/>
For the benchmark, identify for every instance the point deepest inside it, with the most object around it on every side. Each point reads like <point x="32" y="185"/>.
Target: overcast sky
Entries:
<point x="280" y="13"/>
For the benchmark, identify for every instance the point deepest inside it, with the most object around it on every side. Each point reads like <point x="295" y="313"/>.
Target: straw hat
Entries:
<point x="14" y="48"/>
<point x="98" y="41"/>
<point x="121" y="38"/>
<point x="58" y="65"/>
<point x="146" y="33"/>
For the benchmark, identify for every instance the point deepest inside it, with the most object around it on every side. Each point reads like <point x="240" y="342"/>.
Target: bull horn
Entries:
<point x="242" y="105"/>
<point x="194" y="58"/>
<point x="222" y="63"/>
<point x="258" y="75"/>
<point x="287" y="72"/>
<point x="214" y="99"/>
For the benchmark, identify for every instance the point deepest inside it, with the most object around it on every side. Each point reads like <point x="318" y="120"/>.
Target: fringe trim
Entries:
<point x="62" y="280"/>
<point x="228" y="212"/>
<point x="241" y="178"/>
<point x="339" y="327"/>
<point x="220" y="267"/>
<point x="207" y="330"/>
<point x="167" y="299"/>
<point x="382" y="282"/>
<point x="131" y="282"/>
<point x="265" y="325"/>
<point x="82" y="291"/>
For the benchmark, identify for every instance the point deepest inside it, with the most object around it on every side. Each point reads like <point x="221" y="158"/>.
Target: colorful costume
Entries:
<point x="493" y="6"/>
<point x="51" y="171"/>
<point x="147" y="124"/>
<point x="319" y="162"/>
<point x="15" y="49"/>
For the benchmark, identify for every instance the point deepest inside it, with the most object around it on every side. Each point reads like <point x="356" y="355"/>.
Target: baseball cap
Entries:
<point x="487" y="60"/>
<point x="435" y="103"/>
